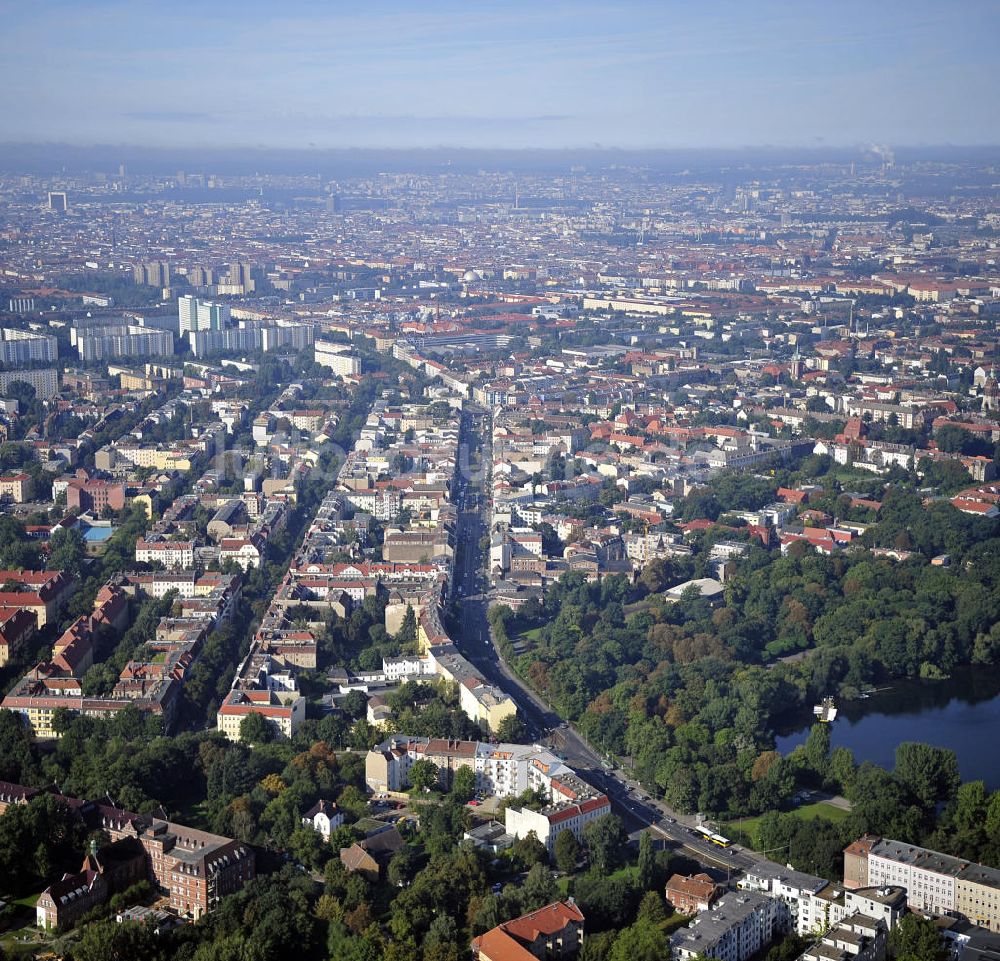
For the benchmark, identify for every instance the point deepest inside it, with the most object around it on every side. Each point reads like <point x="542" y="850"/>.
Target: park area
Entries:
<point x="749" y="826"/>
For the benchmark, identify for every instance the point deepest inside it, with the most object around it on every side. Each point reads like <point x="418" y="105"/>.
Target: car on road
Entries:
<point x="474" y="803"/>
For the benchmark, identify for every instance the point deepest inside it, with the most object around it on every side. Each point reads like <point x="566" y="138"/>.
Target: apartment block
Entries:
<point x="502" y="770"/>
<point x="168" y="553"/>
<point x="934" y="882"/>
<point x="17" y="488"/>
<point x="855" y="938"/>
<point x="44" y="593"/>
<point x="201" y="315"/>
<point x="284" y="711"/>
<point x="122" y="340"/>
<point x="337" y="357"/>
<point x="23" y="346"/>
<point x="17" y="627"/>
<point x="738" y="926"/>
<point x="554" y="932"/>
<point x="814" y="904"/>
<point x="45" y="381"/>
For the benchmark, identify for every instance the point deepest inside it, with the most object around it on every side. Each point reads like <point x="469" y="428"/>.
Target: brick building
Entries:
<point x="97" y="496"/>
<point x="689" y="895"/>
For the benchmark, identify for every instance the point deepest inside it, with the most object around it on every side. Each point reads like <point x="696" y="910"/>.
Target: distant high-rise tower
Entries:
<point x="187" y="311"/>
<point x="155" y="273"/>
<point x="241" y="275"/>
<point x="201" y="277"/>
<point x="58" y="201"/>
<point x="197" y="315"/>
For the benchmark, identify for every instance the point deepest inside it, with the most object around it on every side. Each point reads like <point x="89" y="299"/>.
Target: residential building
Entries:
<point x="552" y="933"/>
<point x="153" y="273"/>
<point x="548" y="823"/>
<point x="25" y="346"/>
<point x="284" y="711"/>
<point x="201" y="315"/>
<point x="689" y="895"/>
<point x="17" y="626"/>
<point x="814" y="904"/>
<point x="45" y="593"/>
<point x="323" y="817"/>
<point x="855" y="938"/>
<point x="45" y="381"/>
<point x="738" y="926"/>
<point x="178" y="554"/>
<point x="370" y="856"/>
<point x="502" y="770"/>
<point x="934" y="882"/>
<point x="84" y="495"/>
<point x="247" y="552"/>
<point x="17" y="488"/>
<point x="338" y="358"/>
<point x="122" y="340"/>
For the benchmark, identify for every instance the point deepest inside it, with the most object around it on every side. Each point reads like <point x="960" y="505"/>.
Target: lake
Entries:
<point x="961" y="713"/>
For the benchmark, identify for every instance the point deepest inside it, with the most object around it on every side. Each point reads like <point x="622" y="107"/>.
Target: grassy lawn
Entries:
<point x="848" y="476"/>
<point x="525" y="641"/>
<point x="821" y="809"/>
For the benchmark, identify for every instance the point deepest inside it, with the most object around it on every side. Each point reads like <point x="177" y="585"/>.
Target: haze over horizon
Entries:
<point x="557" y="75"/>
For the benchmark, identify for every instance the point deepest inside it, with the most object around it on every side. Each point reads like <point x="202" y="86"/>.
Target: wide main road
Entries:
<point x="471" y="590"/>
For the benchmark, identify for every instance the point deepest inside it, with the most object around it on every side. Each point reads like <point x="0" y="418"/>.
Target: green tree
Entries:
<point x="567" y="851"/>
<point x="647" y="861"/>
<point x="952" y="439"/>
<point x="407" y="633"/>
<point x="539" y="888"/>
<point x="68" y="550"/>
<point x="255" y="729"/>
<point x="306" y="846"/>
<point x="916" y="938"/>
<point x="642" y="941"/>
<point x="604" y="837"/>
<point x="652" y="908"/>
<point x="842" y="767"/>
<point x="37" y="840"/>
<point x="403" y="867"/>
<point x="463" y="785"/>
<point x="817" y="749"/>
<point x="529" y="851"/>
<point x="110" y="941"/>
<point x="511" y="730"/>
<point x="929" y="773"/>
<point x="423" y="774"/>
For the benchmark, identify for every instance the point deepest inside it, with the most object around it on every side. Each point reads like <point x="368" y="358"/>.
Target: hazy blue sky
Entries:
<point x="544" y="73"/>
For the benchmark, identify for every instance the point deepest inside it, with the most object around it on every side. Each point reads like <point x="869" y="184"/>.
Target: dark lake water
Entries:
<point x="961" y="713"/>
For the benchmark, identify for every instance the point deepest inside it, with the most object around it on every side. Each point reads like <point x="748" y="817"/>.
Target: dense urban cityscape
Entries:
<point x="400" y="562"/>
<point x="500" y="482"/>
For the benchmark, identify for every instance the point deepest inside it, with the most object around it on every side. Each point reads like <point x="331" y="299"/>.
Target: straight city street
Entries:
<point x="472" y="593"/>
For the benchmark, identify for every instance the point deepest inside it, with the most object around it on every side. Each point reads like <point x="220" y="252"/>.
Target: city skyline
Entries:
<point x="580" y="75"/>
